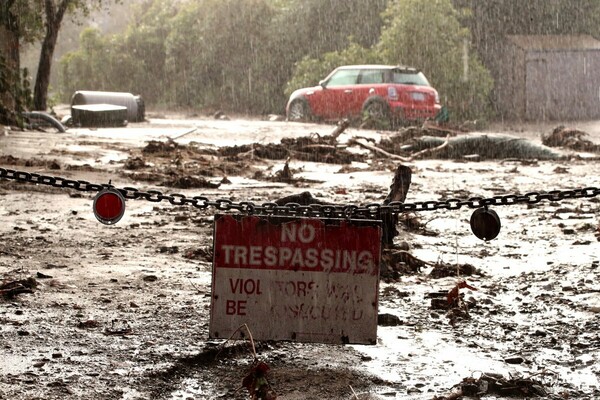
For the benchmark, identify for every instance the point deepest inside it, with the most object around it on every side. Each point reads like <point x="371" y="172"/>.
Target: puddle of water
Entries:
<point x="191" y="388"/>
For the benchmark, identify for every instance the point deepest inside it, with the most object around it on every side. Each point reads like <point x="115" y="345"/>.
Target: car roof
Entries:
<point x="379" y="66"/>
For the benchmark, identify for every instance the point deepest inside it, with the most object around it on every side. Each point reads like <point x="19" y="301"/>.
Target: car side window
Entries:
<point x="372" y="76"/>
<point x="344" y="77"/>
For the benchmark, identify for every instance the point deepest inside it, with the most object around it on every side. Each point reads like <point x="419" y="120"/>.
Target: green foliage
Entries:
<point x="132" y="62"/>
<point x="15" y="85"/>
<point x="215" y="54"/>
<point x="440" y="51"/>
<point x="248" y="55"/>
<point x="25" y="17"/>
<point x="233" y="54"/>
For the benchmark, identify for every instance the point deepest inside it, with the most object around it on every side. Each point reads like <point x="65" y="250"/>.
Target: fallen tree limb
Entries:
<point x="376" y="149"/>
<point x="431" y="151"/>
<point x="340" y="128"/>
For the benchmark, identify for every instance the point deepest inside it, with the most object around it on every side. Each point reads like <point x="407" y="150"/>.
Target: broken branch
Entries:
<point x="376" y="149"/>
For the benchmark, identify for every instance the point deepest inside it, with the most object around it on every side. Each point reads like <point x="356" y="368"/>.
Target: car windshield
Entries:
<point x="409" y="78"/>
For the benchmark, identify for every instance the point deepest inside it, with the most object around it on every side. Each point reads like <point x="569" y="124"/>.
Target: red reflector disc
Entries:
<point x="109" y="206"/>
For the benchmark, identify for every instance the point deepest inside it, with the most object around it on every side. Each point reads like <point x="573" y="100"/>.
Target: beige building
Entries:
<point x="549" y="77"/>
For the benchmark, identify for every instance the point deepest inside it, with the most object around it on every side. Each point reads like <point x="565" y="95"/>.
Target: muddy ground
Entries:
<point x="121" y="312"/>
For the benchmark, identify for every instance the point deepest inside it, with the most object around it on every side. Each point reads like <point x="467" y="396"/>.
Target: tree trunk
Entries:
<point x="9" y="65"/>
<point x="54" y="17"/>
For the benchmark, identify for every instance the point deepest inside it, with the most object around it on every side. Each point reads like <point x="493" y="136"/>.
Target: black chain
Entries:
<point x="373" y="210"/>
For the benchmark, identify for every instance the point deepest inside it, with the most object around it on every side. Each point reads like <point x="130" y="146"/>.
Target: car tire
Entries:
<point x="299" y="111"/>
<point x="376" y="113"/>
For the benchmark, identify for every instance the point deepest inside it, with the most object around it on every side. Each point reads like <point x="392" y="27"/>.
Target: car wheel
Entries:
<point x="376" y="114"/>
<point x="299" y="110"/>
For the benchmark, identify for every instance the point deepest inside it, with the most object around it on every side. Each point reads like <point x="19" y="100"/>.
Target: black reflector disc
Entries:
<point x="485" y="224"/>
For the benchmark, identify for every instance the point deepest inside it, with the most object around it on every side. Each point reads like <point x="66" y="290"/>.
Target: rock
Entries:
<point x="388" y="320"/>
<point x="514" y="360"/>
<point x="540" y="333"/>
<point x="276" y="118"/>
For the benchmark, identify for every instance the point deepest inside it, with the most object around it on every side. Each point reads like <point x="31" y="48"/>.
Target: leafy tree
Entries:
<point x="86" y="68"/>
<point x="214" y="53"/>
<point x="53" y="14"/>
<point x="308" y="29"/>
<point x="492" y="20"/>
<point x="145" y="50"/>
<point x="18" y="22"/>
<point x="428" y="35"/>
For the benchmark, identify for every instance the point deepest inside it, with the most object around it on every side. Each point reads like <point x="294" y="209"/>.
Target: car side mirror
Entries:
<point x="323" y="84"/>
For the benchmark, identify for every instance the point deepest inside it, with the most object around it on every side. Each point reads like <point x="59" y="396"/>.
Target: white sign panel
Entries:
<point x="297" y="279"/>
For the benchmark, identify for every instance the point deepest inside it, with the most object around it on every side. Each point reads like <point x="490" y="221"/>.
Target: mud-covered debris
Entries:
<point x="257" y="384"/>
<point x="453" y="296"/>
<point x="491" y="384"/>
<point x="169" y="249"/>
<point x="134" y="163"/>
<point x="150" y="278"/>
<point x="145" y="176"/>
<point x="407" y="134"/>
<point x="485" y="147"/>
<point x="301" y="149"/>
<point x="388" y="320"/>
<point x="190" y="182"/>
<point x="314" y="148"/>
<point x="29" y="162"/>
<point x="570" y="138"/>
<point x="441" y="270"/>
<point x="202" y="253"/>
<point x="304" y="199"/>
<point x="395" y="263"/>
<point x="118" y="328"/>
<point x="158" y="147"/>
<point x="285" y="174"/>
<point x="514" y="360"/>
<point x="83" y="167"/>
<point x="88" y="324"/>
<point x="11" y="288"/>
<point x="412" y="223"/>
<point x="451" y="301"/>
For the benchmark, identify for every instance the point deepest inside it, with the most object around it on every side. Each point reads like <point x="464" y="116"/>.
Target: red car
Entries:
<point x="382" y="92"/>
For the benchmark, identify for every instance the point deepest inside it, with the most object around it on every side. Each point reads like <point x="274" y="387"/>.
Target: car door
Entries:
<point x="338" y="93"/>
<point x="369" y="81"/>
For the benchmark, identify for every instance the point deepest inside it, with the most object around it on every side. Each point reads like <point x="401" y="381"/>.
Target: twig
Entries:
<point x="231" y="337"/>
<point x="413" y="258"/>
<point x="378" y="150"/>
<point x="183" y="134"/>
<point x="249" y="153"/>
<point x="194" y="286"/>
<point x="319" y="146"/>
<point x="353" y="392"/>
<point x="431" y="151"/>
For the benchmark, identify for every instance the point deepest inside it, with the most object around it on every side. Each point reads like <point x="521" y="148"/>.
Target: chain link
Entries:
<point x="371" y="210"/>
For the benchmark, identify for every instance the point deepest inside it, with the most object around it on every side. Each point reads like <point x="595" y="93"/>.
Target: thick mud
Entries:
<point x="122" y="312"/>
